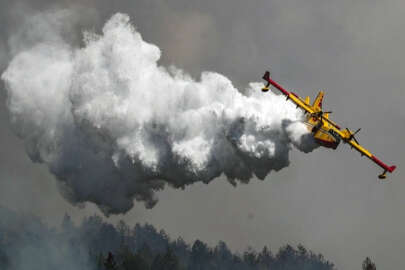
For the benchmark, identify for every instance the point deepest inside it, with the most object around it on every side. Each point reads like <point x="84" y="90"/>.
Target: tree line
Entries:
<point x="27" y="243"/>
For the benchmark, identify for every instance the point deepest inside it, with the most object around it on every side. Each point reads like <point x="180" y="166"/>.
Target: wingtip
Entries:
<point x="266" y="75"/>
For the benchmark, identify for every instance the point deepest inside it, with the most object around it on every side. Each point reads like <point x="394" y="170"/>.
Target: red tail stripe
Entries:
<point x="320" y="102"/>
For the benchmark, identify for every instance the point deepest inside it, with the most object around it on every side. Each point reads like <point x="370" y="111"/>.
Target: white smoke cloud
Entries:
<point x="113" y="126"/>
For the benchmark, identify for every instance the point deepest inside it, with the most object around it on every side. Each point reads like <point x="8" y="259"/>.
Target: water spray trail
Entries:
<point x="113" y="125"/>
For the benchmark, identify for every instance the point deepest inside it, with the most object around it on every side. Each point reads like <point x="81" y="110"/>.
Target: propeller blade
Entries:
<point x="352" y="137"/>
<point x="357" y="131"/>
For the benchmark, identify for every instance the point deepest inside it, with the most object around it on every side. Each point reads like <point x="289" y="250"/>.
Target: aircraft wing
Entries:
<point x="290" y="95"/>
<point x="348" y="137"/>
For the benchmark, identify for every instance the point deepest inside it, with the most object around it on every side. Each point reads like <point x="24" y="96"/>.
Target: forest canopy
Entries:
<point x="28" y="243"/>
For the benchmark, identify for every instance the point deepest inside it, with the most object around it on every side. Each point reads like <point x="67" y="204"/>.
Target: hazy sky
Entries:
<point x="330" y="201"/>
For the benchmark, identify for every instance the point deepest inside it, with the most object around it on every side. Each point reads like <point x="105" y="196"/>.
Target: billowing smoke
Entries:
<point x="114" y="126"/>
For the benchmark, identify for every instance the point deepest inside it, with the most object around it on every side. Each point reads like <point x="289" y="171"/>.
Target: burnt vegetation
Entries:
<point x="96" y="245"/>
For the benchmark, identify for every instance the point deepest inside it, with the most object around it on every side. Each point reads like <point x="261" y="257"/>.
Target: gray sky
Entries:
<point x="330" y="201"/>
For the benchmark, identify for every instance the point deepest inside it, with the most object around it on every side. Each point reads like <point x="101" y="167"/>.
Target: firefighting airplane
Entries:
<point x="326" y="132"/>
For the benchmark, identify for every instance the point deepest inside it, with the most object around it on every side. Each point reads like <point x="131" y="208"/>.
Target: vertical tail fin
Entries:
<point x="318" y="101"/>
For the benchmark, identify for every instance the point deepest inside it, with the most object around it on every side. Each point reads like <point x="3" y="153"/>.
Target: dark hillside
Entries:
<point x="27" y="243"/>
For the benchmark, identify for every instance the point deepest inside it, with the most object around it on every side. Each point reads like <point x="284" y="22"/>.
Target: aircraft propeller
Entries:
<point x="352" y="136"/>
<point x="320" y="114"/>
